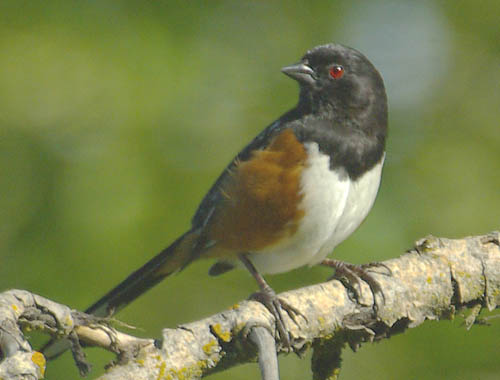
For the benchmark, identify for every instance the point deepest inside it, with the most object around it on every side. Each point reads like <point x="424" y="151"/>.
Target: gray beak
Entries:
<point x="300" y="72"/>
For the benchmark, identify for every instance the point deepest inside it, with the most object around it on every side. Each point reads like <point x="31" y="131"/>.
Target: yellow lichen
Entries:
<point x="429" y="280"/>
<point x="207" y="348"/>
<point x="39" y="360"/>
<point x="321" y="321"/>
<point x="69" y="321"/>
<point x="224" y="335"/>
<point x="162" y="367"/>
<point x="186" y="373"/>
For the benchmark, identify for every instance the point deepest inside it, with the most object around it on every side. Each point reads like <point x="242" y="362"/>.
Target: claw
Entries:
<point x="378" y="265"/>
<point x="276" y="306"/>
<point x="355" y="273"/>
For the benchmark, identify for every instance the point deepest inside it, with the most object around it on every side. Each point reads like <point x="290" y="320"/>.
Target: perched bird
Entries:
<point x="300" y="188"/>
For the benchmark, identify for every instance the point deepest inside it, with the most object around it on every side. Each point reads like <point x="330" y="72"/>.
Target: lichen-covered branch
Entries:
<point x="432" y="281"/>
<point x="22" y="311"/>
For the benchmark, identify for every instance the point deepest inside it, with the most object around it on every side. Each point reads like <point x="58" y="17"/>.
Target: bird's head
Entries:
<point x="338" y="78"/>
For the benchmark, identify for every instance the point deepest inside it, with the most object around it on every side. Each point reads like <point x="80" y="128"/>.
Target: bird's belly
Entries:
<point x="362" y="194"/>
<point x="334" y="206"/>
<point x="325" y="194"/>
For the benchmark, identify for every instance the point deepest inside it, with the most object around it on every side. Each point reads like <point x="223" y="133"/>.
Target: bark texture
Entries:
<point x="432" y="281"/>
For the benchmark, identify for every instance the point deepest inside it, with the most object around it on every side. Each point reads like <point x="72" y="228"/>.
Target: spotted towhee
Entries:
<point x="300" y="188"/>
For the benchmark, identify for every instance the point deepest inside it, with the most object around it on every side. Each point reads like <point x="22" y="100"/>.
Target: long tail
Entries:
<point x="170" y="260"/>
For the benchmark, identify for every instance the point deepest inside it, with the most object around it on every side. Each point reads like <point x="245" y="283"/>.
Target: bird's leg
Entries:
<point x="275" y="305"/>
<point x="355" y="273"/>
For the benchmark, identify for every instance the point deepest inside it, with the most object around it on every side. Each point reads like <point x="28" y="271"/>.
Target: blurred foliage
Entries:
<point x="117" y="116"/>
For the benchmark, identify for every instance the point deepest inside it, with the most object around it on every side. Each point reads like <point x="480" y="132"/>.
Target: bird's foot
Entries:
<point x="276" y="306"/>
<point x="354" y="274"/>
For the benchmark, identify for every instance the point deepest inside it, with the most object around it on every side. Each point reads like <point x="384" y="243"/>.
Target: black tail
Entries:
<point x="168" y="261"/>
<point x="143" y="279"/>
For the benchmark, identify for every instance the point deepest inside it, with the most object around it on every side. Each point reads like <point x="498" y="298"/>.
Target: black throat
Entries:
<point x="354" y="139"/>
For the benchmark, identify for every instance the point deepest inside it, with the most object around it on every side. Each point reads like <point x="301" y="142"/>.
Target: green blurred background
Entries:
<point x="117" y="116"/>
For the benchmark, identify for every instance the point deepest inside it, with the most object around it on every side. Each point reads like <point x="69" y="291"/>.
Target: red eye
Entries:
<point x="336" y="72"/>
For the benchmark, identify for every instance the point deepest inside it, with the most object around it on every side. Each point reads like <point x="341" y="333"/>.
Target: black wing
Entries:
<point x="214" y="195"/>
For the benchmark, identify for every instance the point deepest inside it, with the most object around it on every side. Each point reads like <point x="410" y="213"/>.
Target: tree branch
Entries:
<point x="432" y="281"/>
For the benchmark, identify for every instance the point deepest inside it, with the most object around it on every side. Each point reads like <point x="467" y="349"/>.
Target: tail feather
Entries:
<point x="170" y="260"/>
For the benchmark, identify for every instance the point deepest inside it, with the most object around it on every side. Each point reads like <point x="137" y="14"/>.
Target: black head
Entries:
<point x="338" y="79"/>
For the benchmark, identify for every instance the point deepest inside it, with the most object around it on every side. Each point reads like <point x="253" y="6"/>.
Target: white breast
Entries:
<point x="334" y="207"/>
<point x="362" y="194"/>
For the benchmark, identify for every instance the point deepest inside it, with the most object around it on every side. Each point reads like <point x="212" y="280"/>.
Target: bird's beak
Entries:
<point x="300" y="72"/>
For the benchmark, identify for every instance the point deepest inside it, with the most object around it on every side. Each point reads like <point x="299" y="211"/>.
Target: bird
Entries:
<point x="295" y="192"/>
